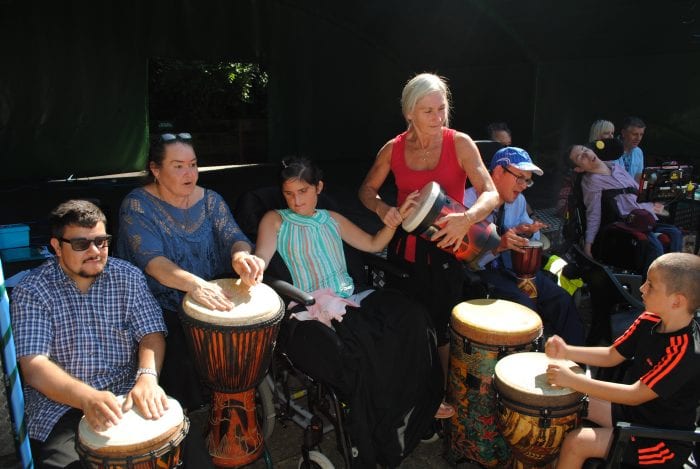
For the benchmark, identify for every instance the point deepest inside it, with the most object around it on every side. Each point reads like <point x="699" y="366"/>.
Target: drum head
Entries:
<point x="426" y="198"/>
<point x="522" y="377"/>
<point x="533" y="244"/>
<point x="496" y="322"/>
<point x="134" y="433"/>
<point x="251" y="305"/>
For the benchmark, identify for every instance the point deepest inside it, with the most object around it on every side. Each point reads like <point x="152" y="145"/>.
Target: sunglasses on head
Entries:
<point x="81" y="244"/>
<point x="181" y="137"/>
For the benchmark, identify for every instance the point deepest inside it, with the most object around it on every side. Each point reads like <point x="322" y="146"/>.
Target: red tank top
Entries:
<point x="447" y="173"/>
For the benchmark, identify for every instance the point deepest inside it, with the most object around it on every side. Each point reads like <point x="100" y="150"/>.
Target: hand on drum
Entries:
<point x="249" y="268"/>
<point x="101" y="409"/>
<point x="454" y="227"/>
<point x="559" y="374"/>
<point x="555" y="347"/>
<point x="530" y="228"/>
<point x="511" y="240"/>
<point x="394" y="216"/>
<point x="211" y="295"/>
<point x="149" y="398"/>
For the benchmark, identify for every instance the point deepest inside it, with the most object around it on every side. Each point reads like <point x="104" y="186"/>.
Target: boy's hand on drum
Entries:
<point x="530" y="228"/>
<point x="101" y="409"/>
<point x="150" y="399"/>
<point x="407" y="207"/>
<point x="555" y="347"/>
<point x="511" y="241"/>
<point x="249" y="268"/>
<point x="559" y="374"/>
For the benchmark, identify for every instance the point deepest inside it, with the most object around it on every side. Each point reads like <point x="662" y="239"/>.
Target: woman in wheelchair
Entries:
<point x="392" y="372"/>
<point x="610" y="194"/>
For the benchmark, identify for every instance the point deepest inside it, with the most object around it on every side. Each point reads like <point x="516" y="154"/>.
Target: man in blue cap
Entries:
<point x="511" y="170"/>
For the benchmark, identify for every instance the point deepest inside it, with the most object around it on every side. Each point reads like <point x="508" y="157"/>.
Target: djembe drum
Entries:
<point x="483" y="331"/>
<point x="135" y="442"/>
<point x="232" y="351"/>
<point x="432" y="205"/>
<point x="526" y="265"/>
<point x="534" y="416"/>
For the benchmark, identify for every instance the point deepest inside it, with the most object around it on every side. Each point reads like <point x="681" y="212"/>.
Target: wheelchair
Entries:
<point x="322" y="394"/>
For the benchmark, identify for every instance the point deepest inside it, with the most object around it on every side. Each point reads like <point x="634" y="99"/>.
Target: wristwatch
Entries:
<point x="146" y="371"/>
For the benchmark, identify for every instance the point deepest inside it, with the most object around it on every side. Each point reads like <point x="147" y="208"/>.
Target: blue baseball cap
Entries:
<point x="514" y="156"/>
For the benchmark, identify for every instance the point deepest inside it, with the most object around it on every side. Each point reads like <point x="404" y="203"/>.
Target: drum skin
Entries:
<point x="135" y="442"/>
<point x="233" y="349"/>
<point x="534" y="416"/>
<point x="482" y="332"/>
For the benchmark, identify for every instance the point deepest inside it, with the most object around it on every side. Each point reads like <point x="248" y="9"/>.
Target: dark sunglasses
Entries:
<point x="181" y="137"/>
<point x="81" y="244"/>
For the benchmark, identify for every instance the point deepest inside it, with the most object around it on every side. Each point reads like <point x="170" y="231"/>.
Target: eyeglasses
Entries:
<point x="519" y="179"/>
<point x="181" y="137"/>
<point x="81" y="244"/>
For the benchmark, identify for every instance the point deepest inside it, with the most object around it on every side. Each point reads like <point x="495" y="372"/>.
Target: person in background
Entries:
<point x="601" y="130"/>
<point x="499" y="132"/>
<point x="87" y="329"/>
<point x="662" y="385"/>
<point x="632" y="160"/>
<point x="512" y="170"/>
<point x="430" y="151"/>
<point x="183" y="235"/>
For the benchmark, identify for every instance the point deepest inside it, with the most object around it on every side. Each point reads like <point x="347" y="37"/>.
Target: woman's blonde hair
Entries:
<point x="420" y="86"/>
<point x="598" y="128"/>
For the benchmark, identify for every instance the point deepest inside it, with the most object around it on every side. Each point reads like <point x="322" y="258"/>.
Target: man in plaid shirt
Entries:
<point x="86" y="329"/>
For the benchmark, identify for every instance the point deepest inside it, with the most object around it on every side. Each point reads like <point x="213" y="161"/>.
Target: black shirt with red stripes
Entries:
<point x="669" y="364"/>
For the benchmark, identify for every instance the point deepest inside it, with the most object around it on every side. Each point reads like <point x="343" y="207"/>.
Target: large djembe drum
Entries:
<point x="232" y="351"/>
<point x="135" y="442"/>
<point x="432" y="205"/>
<point x="534" y="416"/>
<point x="483" y="331"/>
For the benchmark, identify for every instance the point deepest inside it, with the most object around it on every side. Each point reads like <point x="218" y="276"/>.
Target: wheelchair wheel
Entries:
<point x="317" y="460"/>
<point x="265" y="409"/>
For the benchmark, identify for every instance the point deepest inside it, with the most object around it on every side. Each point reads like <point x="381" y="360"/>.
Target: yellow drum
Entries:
<point x="135" y="442"/>
<point x="483" y="331"/>
<point x="534" y="416"/>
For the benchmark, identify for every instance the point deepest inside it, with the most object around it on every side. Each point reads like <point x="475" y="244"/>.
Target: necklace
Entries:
<point x="426" y="152"/>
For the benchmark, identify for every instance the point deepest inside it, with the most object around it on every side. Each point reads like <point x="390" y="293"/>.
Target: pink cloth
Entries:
<point x="328" y="306"/>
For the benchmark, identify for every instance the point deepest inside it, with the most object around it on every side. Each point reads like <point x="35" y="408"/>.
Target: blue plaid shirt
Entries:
<point x="93" y="336"/>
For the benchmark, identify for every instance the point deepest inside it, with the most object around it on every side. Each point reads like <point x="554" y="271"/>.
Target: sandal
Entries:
<point x="445" y="411"/>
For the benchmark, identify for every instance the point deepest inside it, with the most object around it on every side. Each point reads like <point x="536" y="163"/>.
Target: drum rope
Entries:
<point x="14" y="385"/>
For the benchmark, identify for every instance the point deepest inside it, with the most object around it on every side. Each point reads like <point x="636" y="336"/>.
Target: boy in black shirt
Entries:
<point x="664" y="385"/>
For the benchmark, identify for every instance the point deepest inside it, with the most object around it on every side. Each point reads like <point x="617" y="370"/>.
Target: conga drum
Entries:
<point x="526" y="265"/>
<point x="135" y="442"/>
<point x="482" y="332"/>
<point x="534" y="416"/>
<point x="232" y="351"/>
<point x="432" y="205"/>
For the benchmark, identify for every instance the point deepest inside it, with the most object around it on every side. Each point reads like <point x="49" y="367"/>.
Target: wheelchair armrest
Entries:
<point x="624" y="431"/>
<point x="374" y="261"/>
<point x="289" y="291"/>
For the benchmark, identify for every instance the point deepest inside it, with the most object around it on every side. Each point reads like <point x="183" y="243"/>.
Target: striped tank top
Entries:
<point x="312" y="249"/>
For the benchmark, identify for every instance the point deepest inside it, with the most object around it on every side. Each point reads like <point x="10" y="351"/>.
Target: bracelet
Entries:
<point x="146" y="371"/>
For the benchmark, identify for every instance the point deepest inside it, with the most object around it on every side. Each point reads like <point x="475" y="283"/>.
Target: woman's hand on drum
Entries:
<point x="249" y="267"/>
<point x="210" y="295"/>
<point x="511" y="240"/>
<point x="149" y="398"/>
<point x="555" y="347"/>
<point x="101" y="409"/>
<point x="454" y="227"/>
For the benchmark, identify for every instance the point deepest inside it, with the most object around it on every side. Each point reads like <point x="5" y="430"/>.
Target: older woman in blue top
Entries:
<point x="182" y="235"/>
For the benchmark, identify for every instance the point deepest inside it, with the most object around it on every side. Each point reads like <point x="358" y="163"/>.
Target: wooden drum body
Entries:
<point x="483" y="331"/>
<point x="534" y="416"/>
<point x="432" y="205"/>
<point x="135" y="442"/>
<point x="232" y="350"/>
<point x="526" y="265"/>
